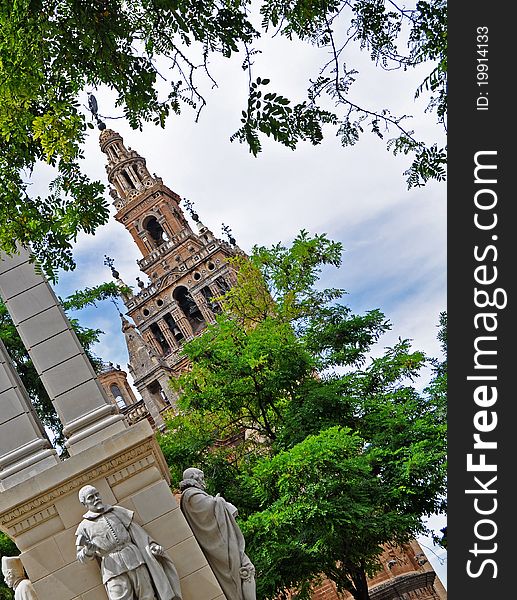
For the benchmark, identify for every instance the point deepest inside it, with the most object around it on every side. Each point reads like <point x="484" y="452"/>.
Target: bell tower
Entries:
<point x="145" y="206"/>
<point x="185" y="269"/>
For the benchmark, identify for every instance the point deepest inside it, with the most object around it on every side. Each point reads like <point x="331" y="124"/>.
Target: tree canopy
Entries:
<point x="329" y="453"/>
<point x="52" y="51"/>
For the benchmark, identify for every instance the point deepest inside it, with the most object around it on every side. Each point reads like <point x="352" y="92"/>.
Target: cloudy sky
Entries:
<point x="394" y="240"/>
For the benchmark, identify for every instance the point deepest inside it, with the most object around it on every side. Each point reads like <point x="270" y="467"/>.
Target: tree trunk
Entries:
<point x="360" y="584"/>
<point x="352" y="579"/>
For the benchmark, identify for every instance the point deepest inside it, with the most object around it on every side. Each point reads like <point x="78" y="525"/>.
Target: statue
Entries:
<point x="133" y="567"/>
<point x="15" y="578"/>
<point x="212" y="520"/>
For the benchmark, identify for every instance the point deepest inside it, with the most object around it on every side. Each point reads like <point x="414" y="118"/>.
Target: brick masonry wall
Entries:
<point x="398" y="564"/>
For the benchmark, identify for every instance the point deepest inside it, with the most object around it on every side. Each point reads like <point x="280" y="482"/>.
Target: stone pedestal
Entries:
<point x="41" y="515"/>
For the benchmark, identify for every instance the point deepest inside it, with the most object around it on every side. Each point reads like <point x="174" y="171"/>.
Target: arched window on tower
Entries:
<point x="113" y="152"/>
<point x="117" y="394"/>
<point x="173" y="326"/>
<point x="160" y="338"/>
<point x="223" y="285"/>
<point x="155" y="230"/>
<point x="155" y="389"/>
<point x="212" y="304"/>
<point x="127" y="180"/>
<point x="189" y="308"/>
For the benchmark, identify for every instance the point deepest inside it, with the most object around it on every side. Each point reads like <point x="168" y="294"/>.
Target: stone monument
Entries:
<point x="39" y="508"/>
<point x="212" y="519"/>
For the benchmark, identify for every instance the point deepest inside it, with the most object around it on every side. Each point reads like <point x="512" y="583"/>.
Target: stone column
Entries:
<point x="68" y="376"/>
<point x="200" y="300"/>
<point x="182" y="322"/>
<point x="215" y="289"/>
<point x="24" y="446"/>
<point x="164" y="328"/>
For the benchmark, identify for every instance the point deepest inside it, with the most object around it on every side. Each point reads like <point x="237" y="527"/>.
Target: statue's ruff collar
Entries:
<point x="91" y="515"/>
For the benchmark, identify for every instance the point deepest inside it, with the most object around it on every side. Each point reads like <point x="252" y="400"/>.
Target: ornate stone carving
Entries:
<point x="41" y="507"/>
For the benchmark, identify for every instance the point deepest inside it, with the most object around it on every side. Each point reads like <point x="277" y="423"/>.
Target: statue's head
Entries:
<point x="196" y="476"/>
<point x="90" y="497"/>
<point x="12" y="570"/>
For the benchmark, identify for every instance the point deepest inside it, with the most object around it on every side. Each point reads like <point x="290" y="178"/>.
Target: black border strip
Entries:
<point x="481" y="128"/>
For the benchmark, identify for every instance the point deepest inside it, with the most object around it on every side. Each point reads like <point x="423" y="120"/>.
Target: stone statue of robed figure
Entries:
<point x="133" y="567"/>
<point x="15" y="578"/>
<point x="212" y="520"/>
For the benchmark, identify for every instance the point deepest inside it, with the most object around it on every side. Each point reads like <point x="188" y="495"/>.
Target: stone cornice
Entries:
<point x="403" y="586"/>
<point x="33" y="506"/>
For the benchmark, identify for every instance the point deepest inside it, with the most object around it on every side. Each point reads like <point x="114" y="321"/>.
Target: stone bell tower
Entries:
<point x="185" y="269"/>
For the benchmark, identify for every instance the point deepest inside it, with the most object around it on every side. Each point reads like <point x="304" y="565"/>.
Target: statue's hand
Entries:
<point x="86" y="551"/>
<point x="156" y="549"/>
<point x="247" y="573"/>
<point x="90" y="549"/>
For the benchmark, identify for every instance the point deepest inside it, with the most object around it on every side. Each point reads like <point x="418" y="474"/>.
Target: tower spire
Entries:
<point x="185" y="269"/>
<point x="145" y="206"/>
<point x="125" y="290"/>
<point x="149" y="372"/>
<point x="127" y="173"/>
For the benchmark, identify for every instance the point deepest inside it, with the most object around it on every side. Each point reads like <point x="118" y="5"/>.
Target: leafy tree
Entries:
<point x="342" y="454"/>
<point x="23" y="363"/>
<point x="253" y="362"/>
<point x="53" y="50"/>
<point x="437" y="389"/>
<point x="325" y="512"/>
<point x="441" y="541"/>
<point x="249" y="375"/>
<point x="213" y="440"/>
<point x="438" y="385"/>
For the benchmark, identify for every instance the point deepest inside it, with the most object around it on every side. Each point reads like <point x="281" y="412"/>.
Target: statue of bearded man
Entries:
<point x="212" y="520"/>
<point x="133" y="567"/>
